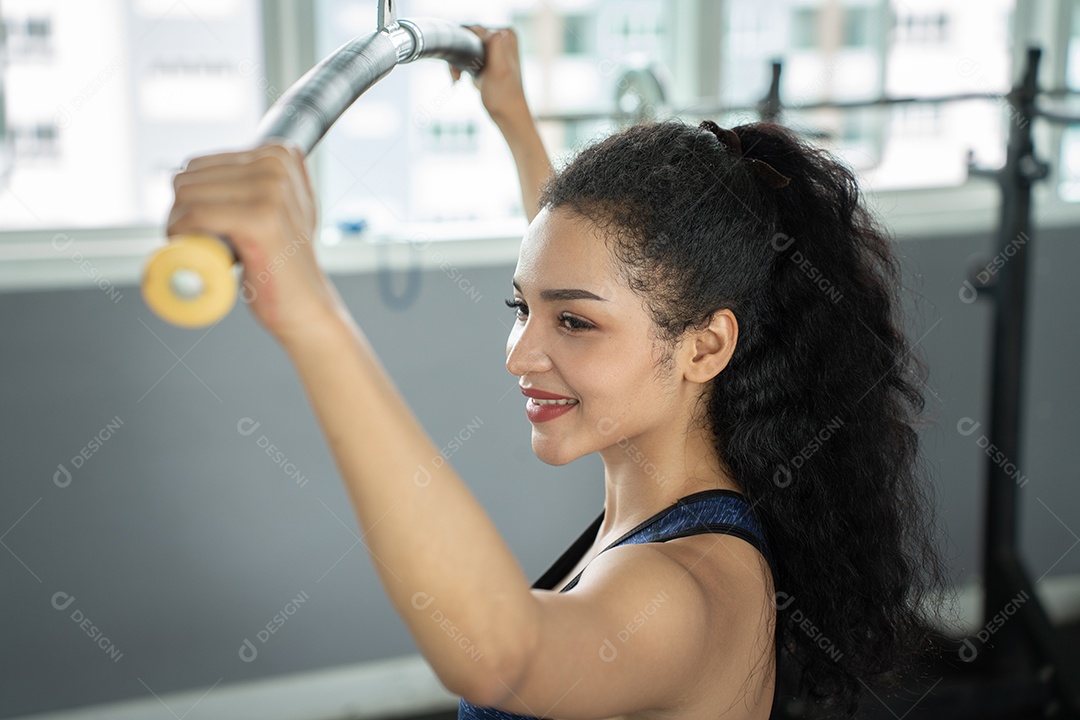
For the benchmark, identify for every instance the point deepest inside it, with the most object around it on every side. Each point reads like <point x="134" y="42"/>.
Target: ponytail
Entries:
<point x="831" y="453"/>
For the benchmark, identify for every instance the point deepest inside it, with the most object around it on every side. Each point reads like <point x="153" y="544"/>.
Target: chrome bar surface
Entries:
<point x="305" y="112"/>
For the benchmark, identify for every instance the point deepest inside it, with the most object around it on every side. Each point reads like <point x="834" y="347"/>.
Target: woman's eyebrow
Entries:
<point x="564" y="294"/>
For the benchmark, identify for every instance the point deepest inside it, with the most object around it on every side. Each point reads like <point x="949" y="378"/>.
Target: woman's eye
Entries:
<point x="519" y="305"/>
<point x="571" y="323"/>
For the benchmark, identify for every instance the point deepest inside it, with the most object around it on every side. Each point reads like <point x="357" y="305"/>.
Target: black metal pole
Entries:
<point x="1022" y="663"/>
<point x="1007" y="274"/>
<point x="1010" y="607"/>
<point x="769" y="106"/>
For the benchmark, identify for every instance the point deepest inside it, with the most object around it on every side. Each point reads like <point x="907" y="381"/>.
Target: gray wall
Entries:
<point x="180" y="537"/>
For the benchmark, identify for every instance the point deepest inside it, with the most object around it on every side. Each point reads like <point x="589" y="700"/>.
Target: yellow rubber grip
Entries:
<point x="190" y="281"/>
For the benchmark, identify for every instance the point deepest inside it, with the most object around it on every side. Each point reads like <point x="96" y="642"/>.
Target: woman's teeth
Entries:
<point x="568" y="401"/>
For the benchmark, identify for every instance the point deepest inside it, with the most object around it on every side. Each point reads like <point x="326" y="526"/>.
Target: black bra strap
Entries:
<point x="702" y="529"/>
<point x="570" y="558"/>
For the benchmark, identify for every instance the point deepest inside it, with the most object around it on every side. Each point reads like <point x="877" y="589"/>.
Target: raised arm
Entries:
<point x="503" y="96"/>
<point x="438" y="554"/>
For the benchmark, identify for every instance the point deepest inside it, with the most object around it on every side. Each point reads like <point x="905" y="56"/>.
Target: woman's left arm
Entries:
<point x="448" y="572"/>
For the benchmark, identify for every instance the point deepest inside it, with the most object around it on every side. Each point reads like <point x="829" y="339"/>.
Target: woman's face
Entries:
<point x="597" y="351"/>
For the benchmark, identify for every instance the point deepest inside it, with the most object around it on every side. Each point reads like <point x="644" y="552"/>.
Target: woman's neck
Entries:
<point x="647" y="473"/>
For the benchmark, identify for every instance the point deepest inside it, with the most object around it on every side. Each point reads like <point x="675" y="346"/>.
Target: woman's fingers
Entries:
<point x="483" y="33"/>
<point x="262" y="201"/>
<point x="276" y="173"/>
<point x="500" y="83"/>
<point x="480" y="30"/>
<point x="247" y="198"/>
<point x="311" y="202"/>
<point x="285" y="154"/>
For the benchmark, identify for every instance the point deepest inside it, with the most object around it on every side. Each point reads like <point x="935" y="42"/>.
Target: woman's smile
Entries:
<point x="544" y="410"/>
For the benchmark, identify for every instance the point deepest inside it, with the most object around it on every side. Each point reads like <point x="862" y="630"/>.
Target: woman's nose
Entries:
<point x="526" y="351"/>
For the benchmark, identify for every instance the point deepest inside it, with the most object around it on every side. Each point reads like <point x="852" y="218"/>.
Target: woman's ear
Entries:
<point x="705" y="352"/>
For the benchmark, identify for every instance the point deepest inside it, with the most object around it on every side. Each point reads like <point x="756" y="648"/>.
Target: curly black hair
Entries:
<point x="815" y="416"/>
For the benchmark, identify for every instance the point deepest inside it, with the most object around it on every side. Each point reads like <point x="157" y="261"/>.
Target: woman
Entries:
<point x="713" y="312"/>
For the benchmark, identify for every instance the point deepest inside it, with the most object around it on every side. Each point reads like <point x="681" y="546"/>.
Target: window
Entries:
<point x="420" y="154"/>
<point x="897" y="147"/>
<point x="917" y="120"/>
<point x="29" y="37"/>
<point x="921" y="28"/>
<point x="104" y="99"/>
<point x="1069" y="169"/>
<point x="448" y="137"/>
<point x="34" y="142"/>
<point x="804" y="28"/>
<point x="577" y="34"/>
<point x="858" y="26"/>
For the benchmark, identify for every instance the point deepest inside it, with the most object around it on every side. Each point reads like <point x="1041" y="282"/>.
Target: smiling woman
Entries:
<point x="664" y="323"/>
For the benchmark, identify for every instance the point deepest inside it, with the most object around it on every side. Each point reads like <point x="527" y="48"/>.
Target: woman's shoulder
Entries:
<point x="721" y="561"/>
<point x="721" y="565"/>
<point x="731" y="614"/>
<point x="737" y="583"/>
<point x="724" y="578"/>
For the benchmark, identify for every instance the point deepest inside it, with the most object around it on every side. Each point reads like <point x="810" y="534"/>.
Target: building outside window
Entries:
<point x="105" y="99"/>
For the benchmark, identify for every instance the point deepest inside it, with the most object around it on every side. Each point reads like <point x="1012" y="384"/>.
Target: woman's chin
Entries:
<point x="551" y="451"/>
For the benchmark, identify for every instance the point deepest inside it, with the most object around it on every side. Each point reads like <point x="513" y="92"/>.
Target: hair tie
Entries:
<point x="762" y="169"/>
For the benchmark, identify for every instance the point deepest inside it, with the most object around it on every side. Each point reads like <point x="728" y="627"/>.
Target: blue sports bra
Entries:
<point x="709" y="511"/>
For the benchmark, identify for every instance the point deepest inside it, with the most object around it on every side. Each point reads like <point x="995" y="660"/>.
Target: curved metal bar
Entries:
<point x="442" y="40"/>
<point x="304" y="113"/>
<point x="190" y="281"/>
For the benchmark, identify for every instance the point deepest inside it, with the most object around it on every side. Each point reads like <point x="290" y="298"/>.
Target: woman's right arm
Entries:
<point x="503" y="97"/>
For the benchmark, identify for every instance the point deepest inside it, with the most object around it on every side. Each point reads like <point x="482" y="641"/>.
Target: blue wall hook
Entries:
<point x="386" y="275"/>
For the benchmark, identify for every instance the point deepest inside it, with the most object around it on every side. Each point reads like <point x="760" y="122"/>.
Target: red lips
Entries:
<point x="541" y="395"/>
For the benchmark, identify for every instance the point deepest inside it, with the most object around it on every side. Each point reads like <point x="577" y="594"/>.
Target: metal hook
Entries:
<point x="386" y="277"/>
<point x="387" y="14"/>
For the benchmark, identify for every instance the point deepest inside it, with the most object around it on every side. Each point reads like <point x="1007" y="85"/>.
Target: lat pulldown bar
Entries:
<point x="190" y="282"/>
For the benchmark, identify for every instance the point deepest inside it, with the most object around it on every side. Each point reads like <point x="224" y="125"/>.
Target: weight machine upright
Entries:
<point x="1005" y="579"/>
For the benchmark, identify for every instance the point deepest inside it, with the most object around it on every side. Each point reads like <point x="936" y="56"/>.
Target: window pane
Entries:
<point x="577" y="34"/>
<point x="804" y="32"/>
<point x="859" y="50"/>
<point x="418" y="154"/>
<point x="1069" y="167"/>
<point x="104" y="99"/>
<point x="859" y="25"/>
